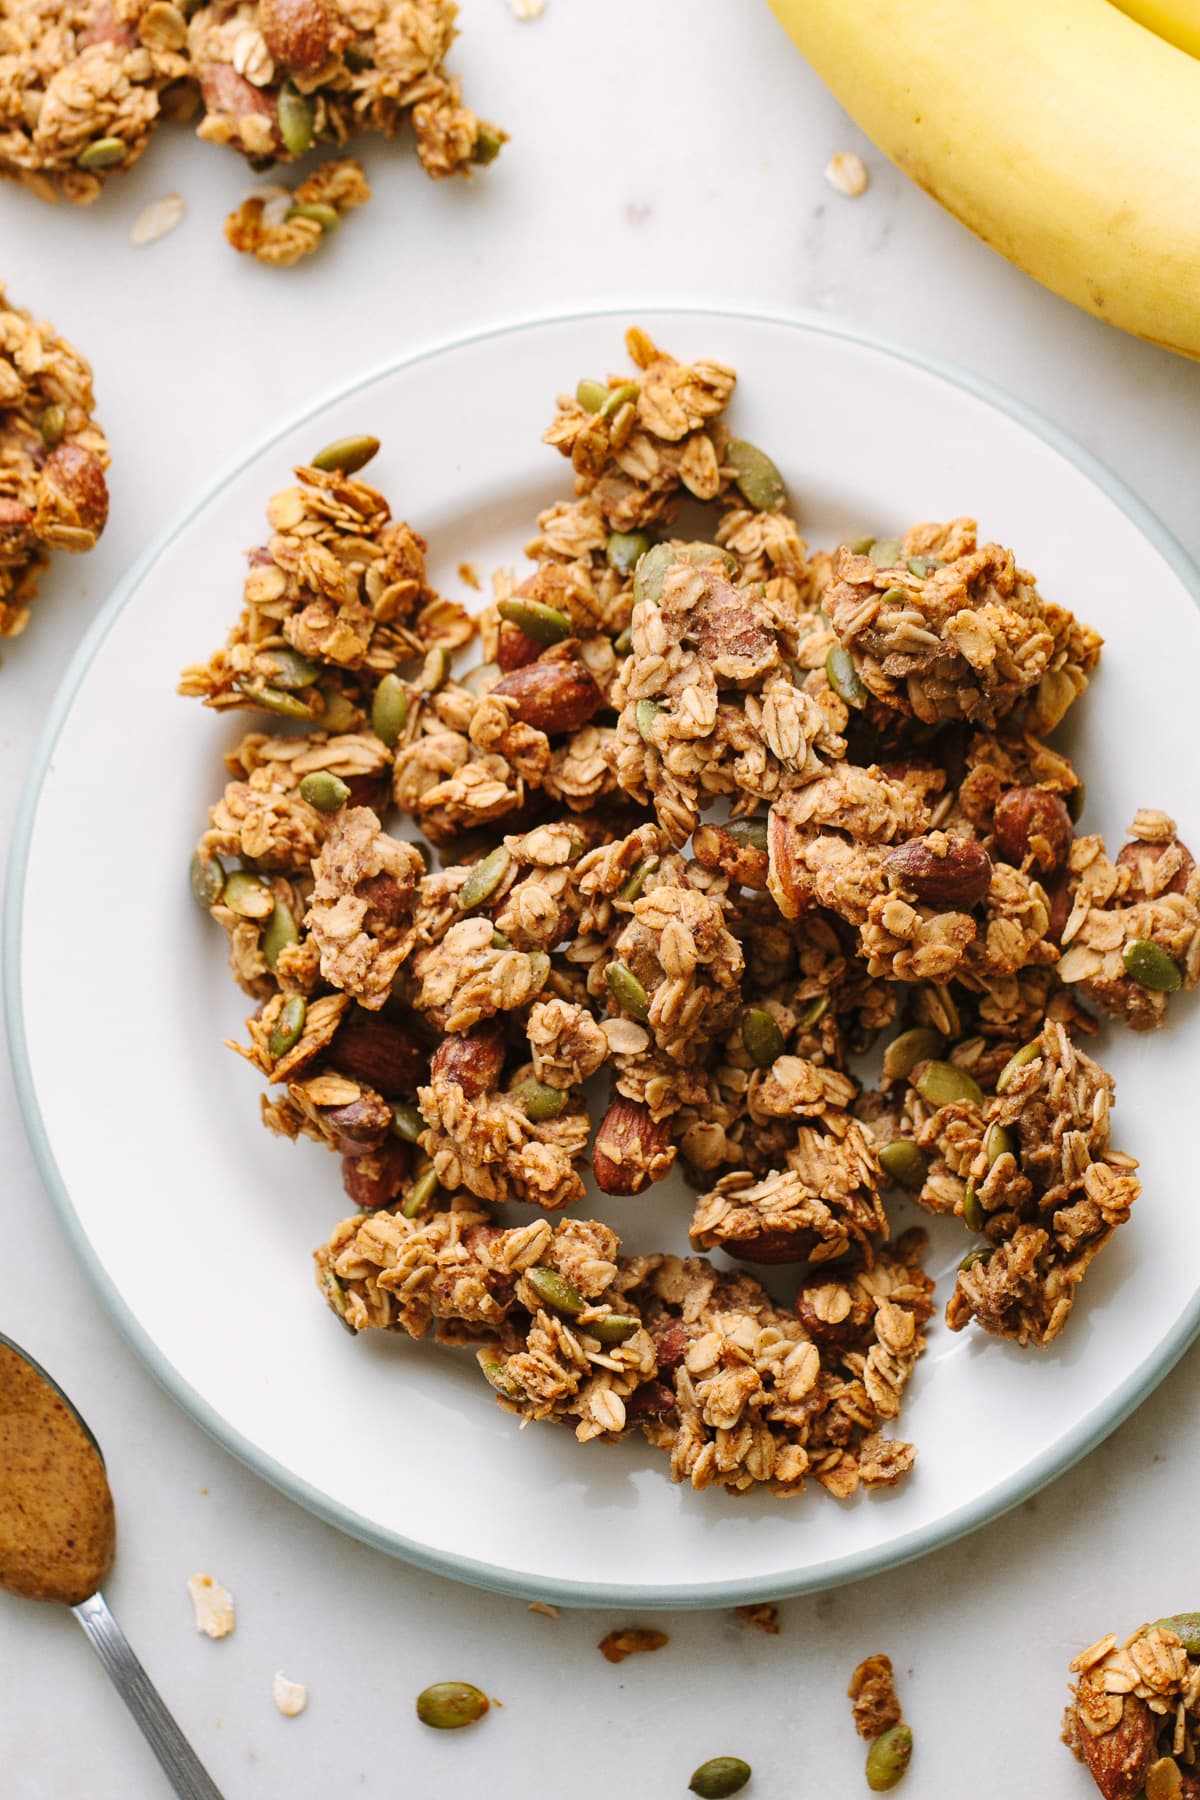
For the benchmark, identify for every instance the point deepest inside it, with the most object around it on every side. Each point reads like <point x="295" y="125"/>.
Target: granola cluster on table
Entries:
<point x="53" y="454"/>
<point x="83" y="86"/>
<point x="1134" y="1716"/>
<point x="708" y="817"/>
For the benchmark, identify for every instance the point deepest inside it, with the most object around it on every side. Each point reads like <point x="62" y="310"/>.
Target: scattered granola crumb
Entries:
<point x="157" y="219"/>
<point x="540" y="1606"/>
<point x="635" y="1640"/>
<point x="291" y="1697"/>
<point x="871" y="1690"/>
<point x="762" y="1618"/>
<point x="847" y="172"/>
<point x="526" y="9"/>
<point x="278" y="227"/>
<point x="469" y="573"/>
<point x="213" y="1606"/>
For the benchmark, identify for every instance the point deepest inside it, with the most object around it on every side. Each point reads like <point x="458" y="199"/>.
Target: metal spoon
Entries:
<point x="57" y="1535"/>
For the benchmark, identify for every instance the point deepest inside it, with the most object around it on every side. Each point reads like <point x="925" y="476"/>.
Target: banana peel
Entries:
<point x="1062" y="132"/>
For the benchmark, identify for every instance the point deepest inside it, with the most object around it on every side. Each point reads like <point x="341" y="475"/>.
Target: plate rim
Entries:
<point x="1086" y="1434"/>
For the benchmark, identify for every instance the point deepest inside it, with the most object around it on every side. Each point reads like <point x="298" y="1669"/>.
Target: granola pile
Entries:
<point x="53" y="495"/>
<point x="706" y="818"/>
<point x="83" y="86"/>
<point x="1134" y="1717"/>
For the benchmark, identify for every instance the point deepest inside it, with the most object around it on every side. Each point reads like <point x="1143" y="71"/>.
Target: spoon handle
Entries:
<point x="179" y="1761"/>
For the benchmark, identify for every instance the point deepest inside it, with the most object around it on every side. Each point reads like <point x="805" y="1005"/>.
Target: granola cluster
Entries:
<point x="279" y="226"/>
<point x="1134" y="1717"/>
<point x="53" y="495"/>
<point x="83" y="86"/>
<point x="707" y="817"/>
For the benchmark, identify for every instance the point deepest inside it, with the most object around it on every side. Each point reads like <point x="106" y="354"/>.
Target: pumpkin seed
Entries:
<point x="324" y="790"/>
<point x="489" y="140"/>
<point x="979" y="1255"/>
<point x="941" y="1083"/>
<point x="407" y="1123"/>
<point x="555" y="1291"/>
<point x="625" y="550"/>
<point x="297" y="120"/>
<point x="421" y="1191"/>
<point x="748" y="834"/>
<point x="1019" y="1059"/>
<point x="248" y="895"/>
<point x="289" y="1026"/>
<point x="905" y="1163"/>
<point x="627" y="990"/>
<point x="885" y="552"/>
<point x="207" y="878"/>
<point x="327" y="217"/>
<point x="921" y="566"/>
<point x="860" y="546"/>
<point x="1186" y="1627"/>
<point x="644" y="715"/>
<point x="719" y="1777"/>
<point x="637" y="880"/>
<point x="52" y="424"/>
<point x="893" y="596"/>
<point x="755" y="476"/>
<point x="335" y="1295"/>
<point x="1075" y="800"/>
<point x="484" y="879"/>
<point x="920" y="1044"/>
<point x="844" y="678"/>
<point x="102" y="153"/>
<point x="275" y="700"/>
<point x="286" y="669"/>
<point x="761" y="1037"/>
<point x="888" y="1758"/>
<point x="700" y="554"/>
<point x="545" y="624"/>
<point x="649" y="573"/>
<point x="998" y="1142"/>
<point x="338" y="714"/>
<point x="591" y="395"/>
<point x="435" y="670"/>
<point x="539" y="1100"/>
<point x="809" y="1015"/>
<point x="623" y="642"/>
<point x="1151" y="967"/>
<point x="500" y="1379"/>
<point x="389" y="710"/>
<point x="279" y="931"/>
<point x="448" y="1705"/>
<point x="348" y="454"/>
<point x="974" y="1217"/>
<point x="613" y="1328"/>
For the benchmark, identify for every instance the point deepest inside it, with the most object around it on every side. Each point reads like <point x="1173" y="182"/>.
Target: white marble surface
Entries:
<point x="671" y="149"/>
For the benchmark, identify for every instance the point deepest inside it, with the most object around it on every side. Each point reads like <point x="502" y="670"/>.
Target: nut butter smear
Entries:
<point x="57" y="1529"/>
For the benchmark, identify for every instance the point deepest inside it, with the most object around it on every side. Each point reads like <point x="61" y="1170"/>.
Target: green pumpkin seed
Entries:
<point x="1151" y="967"/>
<point x="358" y="55"/>
<point x="500" y="1379"/>
<point x="921" y="566"/>
<point x="980" y="1255"/>
<point x="484" y="879"/>
<point x="435" y="670"/>
<point x="1026" y="1054"/>
<point x="613" y="1328"/>
<point x="102" y="153"/>
<point x="844" y="678"/>
<point x="555" y="1291"/>
<point x="335" y="1295"/>
<point x="893" y="596"/>
<point x="623" y="642"/>
<point x="650" y="572"/>
<point x="207" y="878"/>
<point x="539" y="1100"/>
<point x="324" y="790"/>
<point x="998" y="1143"/>
<point x="888" y="1758"/>
<point x="755" y="476"/>
<point x="632" y="889"/>
<point x="591" y="395"/>
<point x="289" y="1026"/>
<point x="761" y="1037"/>
<point x="407" y="1123"/>
<point x="719" y="1777"/>
<point x="644" y="715"/>
<point x="286" y="669"/>
<point x="625" y="550"/>
<point x="500" y="942"/>
<point x="279" y="931"/>
<point x="702" y="553"/>
<point x="248" y="895"/>
<point x="885" y="552"/>
<point x="748" y="834"/>
<point x="940" y="1083"/>
<point x="297" y="119"/>
<point x="1186" y="1627"/>
<point x="920" y="1044"/>
<point x="52" y="424"/>
<point x="627" y="990"/>
<point x="544" y="624"/>
<point x="327" y="217"/>
<point x="809" y="1015"/>
<point x="941" y="1010"/>
<point x="420" y="1193"/>
<point x="904" y="1162"/>
<point x="1075" y="800"/>
<point x="274" y="700"/>
<point x="337" y="714"/>
<point x="862" y="1038"/>
<point x="860" y="546"/>
<point x="489" y="139"/>
<point x="974" y="1216"/>
<point x="389" y="710"/>
<point x="448" y="1705"/>
<point x="348" y="454"/>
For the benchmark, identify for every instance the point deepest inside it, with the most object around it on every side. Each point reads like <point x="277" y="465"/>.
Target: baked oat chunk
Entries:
<point x="279" y="226"/>
<point x="1134" y="1715"/>
<point x="53" y="495"/>
<point x="872" y="1691"/>
<point x="363" y="886"/>
<point x="82" y="87"/>
<point x="278" y="76"/>
<point x="945" y="628"/>
<point x="1133" y="934"/>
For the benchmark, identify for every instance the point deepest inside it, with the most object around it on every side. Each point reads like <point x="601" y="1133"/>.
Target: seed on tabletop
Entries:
<point x="847" y="173"/>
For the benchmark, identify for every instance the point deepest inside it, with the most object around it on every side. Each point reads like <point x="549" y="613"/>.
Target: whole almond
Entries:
<point x="514" y="650"/>
<point x="631" y="1150"/>
<point x="1119" y="1760"/>
<point x="650" y="1400"/>
<point x="1033" y="829"/>
<point x="72" y="498"/>
<point x="390" y="1058"/>
<point x="1140" y="852"/>
<point x="552" y="696"/>
<point x="951" y="873"/>
<point x="472" y="1061"/>
<point x="786" y="877"/>
<point x="298" y="33"/>
<point x="374" y="1178"/>
<point x="359" y="1126"/>
<point x="772" y="1246"/>
<point x="15" y="521"/>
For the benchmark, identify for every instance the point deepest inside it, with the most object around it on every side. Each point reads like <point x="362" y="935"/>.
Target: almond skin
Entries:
<point x="298" y="33"/>
<point x="15" y="521"/>
<point x="1119" y="1760"/>
<point x="630" y="1150"/>
<point x="226" y="92"/>
<point x="950" y="873"/>
<point x="1033" y="829"/>
<point x="787" y="880"/>
<point x="552" y="696"/>
<point x="514" y="650"/>
<point x="772" y="1247"/>
<point x="1139" y="851"/>
<point x="374" y="1178"/>
<point x="359" y="1126"/>
<point x="390" y="1058"/>
<point x="715" y="849"/>
<point x="650" y="1401"/>
<point x="472" y="1061"/>
<point x="72" y="497"/>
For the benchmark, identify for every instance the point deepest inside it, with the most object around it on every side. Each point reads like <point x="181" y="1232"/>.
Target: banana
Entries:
<point x="1178" y="21"/>
<point x="1061" y="132"/>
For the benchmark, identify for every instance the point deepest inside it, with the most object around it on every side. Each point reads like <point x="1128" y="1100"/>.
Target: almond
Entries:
<point x="72" y="498"/>
<point x="374" y="1178"/>
<point x="730" y="853"/>
<point x="786" y="877"/>
<point x="951" y="873"/>
<point x="472" y="1061"/>
<point x="631" y="1150"/>
<point x="298" y="33"/>
<point x="1033" y="829"/>
<point x="1119" y="1760"/>
<point x="230" y="95"/>
<point x="390" y="1058"/>
<point x="1138" y="853"/>
<point x="15" y="521"/>
<point x="387" y="901"/>
<point x="552" y="696"/>
<point x="772" y="1246"/>
<point x="514" y="650"/>
<point x="361" y="1125"/>
<point x="650" y="1400"/>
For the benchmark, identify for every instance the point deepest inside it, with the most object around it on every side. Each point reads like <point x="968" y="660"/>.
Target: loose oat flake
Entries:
<point x="291" y="1697"/>
<point x="212" y="1605"/>
<point x="527" y="9"/>
<point x="157" y="219"/>
<point x="847" y="173"/>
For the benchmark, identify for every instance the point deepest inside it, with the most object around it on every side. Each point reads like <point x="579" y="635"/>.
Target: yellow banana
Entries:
<point x="1178" y="21"/>
<point x="1061" y="132"/>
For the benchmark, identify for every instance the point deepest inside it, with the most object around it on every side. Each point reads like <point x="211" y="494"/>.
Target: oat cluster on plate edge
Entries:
<point x="82" y="86"/>
<point x="897" y="853"/>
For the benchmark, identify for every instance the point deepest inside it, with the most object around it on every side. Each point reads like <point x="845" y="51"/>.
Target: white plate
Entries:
<point x="197" y="1225"/>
